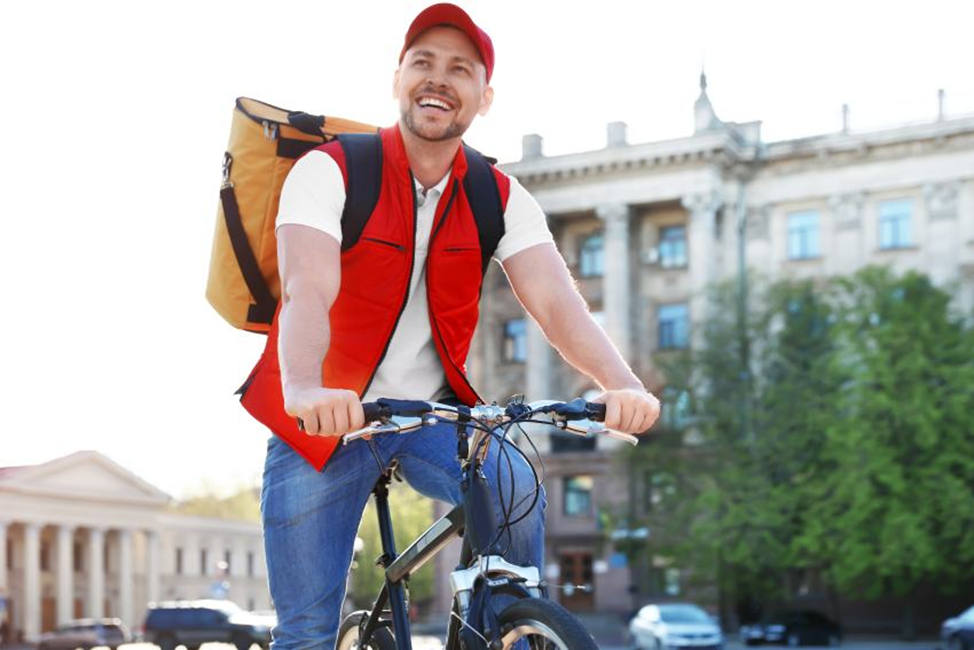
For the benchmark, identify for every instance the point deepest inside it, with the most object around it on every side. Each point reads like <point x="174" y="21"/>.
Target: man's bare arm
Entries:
<point x="545" y="287"/>
<point x="309" y="261"/>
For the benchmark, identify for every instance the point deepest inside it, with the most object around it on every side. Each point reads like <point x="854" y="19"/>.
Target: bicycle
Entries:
<point x="482" y="574"/>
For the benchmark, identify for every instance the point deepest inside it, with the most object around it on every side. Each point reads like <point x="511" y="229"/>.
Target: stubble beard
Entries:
<point x="432" y="133"/>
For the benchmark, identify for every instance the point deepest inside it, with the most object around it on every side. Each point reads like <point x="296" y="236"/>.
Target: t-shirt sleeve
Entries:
<point x="313" y="195"/>
<point x="524" y="224"/>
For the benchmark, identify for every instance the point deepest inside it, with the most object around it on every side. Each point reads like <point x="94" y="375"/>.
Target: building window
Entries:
<point x="250" y="564"/>
<point x="204" y="561"/>
<point x="578" y="496"/>
<point x="591" y="257"/>
<point x="676" y="408"/>
<point x="673" y="323"/>
<point x="79" y="557"/>
<point x="894" y="223"/>
<point x="179" y="561"/>
<point x="45" y="556"/>
<point x="562" y="443"/>
<point x="516" y="341"/>
<point x="803" y="235"/>
<point x="673" y="247"/>
<point x="671" y="581"/>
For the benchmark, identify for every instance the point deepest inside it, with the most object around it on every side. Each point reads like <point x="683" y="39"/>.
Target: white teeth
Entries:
<point x="430" y="101"/>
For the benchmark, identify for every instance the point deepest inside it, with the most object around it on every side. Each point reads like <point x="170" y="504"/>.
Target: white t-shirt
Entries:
<point x="314" y="195"/>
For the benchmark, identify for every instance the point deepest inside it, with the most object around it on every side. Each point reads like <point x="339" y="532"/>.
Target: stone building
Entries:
<point x="646" y="227"/>
<point x="81" y="536"/>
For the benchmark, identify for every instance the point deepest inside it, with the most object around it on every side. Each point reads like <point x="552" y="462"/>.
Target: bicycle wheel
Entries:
<point x="351" y="628"/>
<point x="543" y="624"/>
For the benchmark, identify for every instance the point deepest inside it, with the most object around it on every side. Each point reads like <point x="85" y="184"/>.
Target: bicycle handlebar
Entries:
<point x="399" y="416"/>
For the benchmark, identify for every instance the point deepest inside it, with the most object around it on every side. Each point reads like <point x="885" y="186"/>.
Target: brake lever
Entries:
<point x="395" y="424"/>
<point x="590" y="428"/>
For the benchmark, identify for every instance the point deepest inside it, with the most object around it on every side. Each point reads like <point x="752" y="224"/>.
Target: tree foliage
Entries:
<point x="242" y="503"/>
<point x="412" y="513"/>
<point x="834" y="435"/>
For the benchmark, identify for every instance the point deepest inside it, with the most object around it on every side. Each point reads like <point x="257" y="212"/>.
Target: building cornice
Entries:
<point x="721" y="147"/>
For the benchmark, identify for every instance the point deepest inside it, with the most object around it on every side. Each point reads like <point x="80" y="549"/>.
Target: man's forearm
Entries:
<point x="584" y="345"/>
<point x="303" y="341"/>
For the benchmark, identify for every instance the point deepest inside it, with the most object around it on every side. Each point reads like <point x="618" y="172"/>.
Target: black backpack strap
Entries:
<point x="363" y="165"/>
<point x="480" y="186"/>
<point x="264" y="305"/>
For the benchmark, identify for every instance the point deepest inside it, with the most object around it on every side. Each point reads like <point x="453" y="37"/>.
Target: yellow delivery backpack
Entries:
<point x="265" y="141"/>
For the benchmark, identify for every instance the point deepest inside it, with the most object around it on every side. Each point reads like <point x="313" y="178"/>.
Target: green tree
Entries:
<point x="897" y="508"/>
<point x="242" y="503"/>
<point x="412" y="513"/>
<point x="832" y="435"/>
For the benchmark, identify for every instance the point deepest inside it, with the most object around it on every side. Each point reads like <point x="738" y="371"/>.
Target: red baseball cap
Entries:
<point x="451" y="16"/>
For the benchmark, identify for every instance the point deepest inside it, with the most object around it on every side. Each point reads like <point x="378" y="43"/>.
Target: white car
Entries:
<point x="669" y="626"/>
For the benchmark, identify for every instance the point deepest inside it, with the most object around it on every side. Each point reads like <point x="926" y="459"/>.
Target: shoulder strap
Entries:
<point x="480" y="187"/>
<point x="363" y="165"/>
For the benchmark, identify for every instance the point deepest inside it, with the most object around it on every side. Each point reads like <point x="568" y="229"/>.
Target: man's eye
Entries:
<point x="421" y="63"/>
<point x="461" y="69"/>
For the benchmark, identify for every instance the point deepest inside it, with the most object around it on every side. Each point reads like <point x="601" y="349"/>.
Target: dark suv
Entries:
<point x="193" y="623"/>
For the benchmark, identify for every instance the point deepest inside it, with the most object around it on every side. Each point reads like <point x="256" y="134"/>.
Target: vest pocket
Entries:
<point x="398" y="247"/>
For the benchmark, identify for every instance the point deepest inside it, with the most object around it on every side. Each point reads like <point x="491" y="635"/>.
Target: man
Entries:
<point x="393" y="316"/>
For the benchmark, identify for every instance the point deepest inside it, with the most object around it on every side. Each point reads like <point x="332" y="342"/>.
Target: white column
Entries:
<point x="4" y="584"/>
<point x="152" y="559"/>
<point x="703" y="250"/>
<point x="32" y="581"/>
<point x="96" y="573"/>
<point x="65" y="574"/>
<point x="238" y="558"/>
<point x="126" y="577"/>
<point x="616" y="284"/>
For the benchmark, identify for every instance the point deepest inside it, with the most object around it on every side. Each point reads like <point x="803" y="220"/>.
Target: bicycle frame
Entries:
<point x="473" y="518"/>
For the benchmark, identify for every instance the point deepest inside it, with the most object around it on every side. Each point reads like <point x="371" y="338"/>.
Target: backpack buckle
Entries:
<point x="227" y="164"/>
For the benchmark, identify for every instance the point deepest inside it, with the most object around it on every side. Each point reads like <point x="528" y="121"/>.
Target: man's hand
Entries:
<point x="325" y="411"/>
<point x="630" y="410"/>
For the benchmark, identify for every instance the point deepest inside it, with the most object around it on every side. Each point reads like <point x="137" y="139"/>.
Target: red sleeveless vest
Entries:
<point x="376" y="272"/>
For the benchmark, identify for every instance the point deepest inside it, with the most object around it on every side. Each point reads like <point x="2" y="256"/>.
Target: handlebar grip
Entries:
<point x="596" y="411"/>
<point x="374" y="411"/>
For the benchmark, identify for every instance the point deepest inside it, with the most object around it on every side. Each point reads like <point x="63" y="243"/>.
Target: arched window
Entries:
<point x="591" y="256"/>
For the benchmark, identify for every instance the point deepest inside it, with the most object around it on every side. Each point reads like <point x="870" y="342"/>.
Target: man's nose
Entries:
<point x="437" y="77"/>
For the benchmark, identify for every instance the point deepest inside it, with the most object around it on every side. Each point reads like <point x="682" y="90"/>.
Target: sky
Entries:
<point x="116" y="114"/>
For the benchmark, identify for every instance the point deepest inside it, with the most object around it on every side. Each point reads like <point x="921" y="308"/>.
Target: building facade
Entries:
<point x="646" y="228"/>
<point x="81" y="536"/>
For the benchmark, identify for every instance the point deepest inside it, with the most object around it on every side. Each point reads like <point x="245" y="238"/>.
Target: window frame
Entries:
<point x="681" y="260"/>
<point x="511" y="343"/>
<point x="896" y="221"/>
<point x="678" y="342"/>
<point x="591" y="258"/>
<point x="809" y="244"/>
<point x="589" y="509"/>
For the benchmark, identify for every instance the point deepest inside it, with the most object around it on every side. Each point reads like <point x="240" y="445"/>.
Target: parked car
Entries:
<point x="86" y="633"/>
<point x="793" y="629"/>
<point x="193" y="623"/>
<point x="675" y="625"/>
<point x="958" y="633"/>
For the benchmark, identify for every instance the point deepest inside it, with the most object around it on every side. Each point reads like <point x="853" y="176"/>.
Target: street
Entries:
<point x="427" y="642"/>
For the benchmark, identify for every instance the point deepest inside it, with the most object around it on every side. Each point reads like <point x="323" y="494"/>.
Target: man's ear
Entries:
<point x="395" y="84"/>
<point x="486" y="99"/>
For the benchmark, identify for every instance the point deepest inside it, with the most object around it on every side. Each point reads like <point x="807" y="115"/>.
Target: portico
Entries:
<point x="81" y="536"/>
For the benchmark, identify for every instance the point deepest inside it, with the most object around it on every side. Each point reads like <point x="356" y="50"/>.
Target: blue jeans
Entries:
<point x="311" y="519"/>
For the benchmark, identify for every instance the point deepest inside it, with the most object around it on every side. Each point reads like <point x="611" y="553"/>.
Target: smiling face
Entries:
<point x="441" y="85"/>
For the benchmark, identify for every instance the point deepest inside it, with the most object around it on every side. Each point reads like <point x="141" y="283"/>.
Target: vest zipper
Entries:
<point x="436" y="327"/>
<point x="409" y="282"/>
